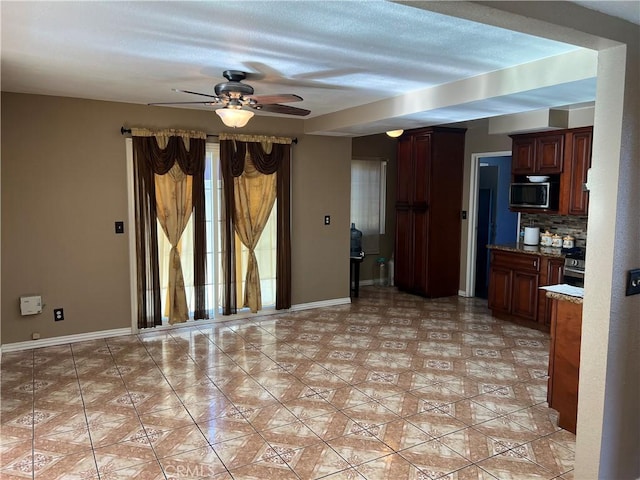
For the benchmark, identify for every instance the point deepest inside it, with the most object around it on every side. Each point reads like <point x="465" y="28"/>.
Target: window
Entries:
<point x="368" y="200"/>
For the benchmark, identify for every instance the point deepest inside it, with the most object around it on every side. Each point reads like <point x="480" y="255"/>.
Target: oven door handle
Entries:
<point x="574" y="272"/>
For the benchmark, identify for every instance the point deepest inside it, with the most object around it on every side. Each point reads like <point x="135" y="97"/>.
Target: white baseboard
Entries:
<point x="323" y="303"/>
<point x="463" y="293"/>
<point x="79" y="337"/>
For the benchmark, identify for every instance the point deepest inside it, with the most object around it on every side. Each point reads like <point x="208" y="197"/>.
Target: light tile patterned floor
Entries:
<point x="393" y="386"/>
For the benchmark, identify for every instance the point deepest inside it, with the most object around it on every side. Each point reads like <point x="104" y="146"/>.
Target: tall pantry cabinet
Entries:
<point x="428" y="211"/>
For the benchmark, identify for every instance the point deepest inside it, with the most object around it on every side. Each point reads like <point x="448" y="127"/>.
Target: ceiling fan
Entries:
<point x="233" y="95"/>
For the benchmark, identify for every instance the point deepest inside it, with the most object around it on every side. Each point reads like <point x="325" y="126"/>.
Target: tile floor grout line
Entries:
<point x="84" y="409"/>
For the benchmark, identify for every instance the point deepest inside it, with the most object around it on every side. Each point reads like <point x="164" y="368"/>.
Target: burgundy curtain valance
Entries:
<point x="161" y="160"/>
<point x="268" y="163"/>
<point x="265" y="163"/>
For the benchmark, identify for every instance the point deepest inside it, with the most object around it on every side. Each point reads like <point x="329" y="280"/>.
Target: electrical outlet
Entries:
<point x="35" y="336"/>
<point x="633" y="282"/>
<point x="119" y="227"/>
<point x="327" y="219"/>
<point x="58" y="314"/>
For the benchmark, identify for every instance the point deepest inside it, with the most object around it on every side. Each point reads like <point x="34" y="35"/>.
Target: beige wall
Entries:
<point x="321" y="185"/>
<point x="64" y="184"/>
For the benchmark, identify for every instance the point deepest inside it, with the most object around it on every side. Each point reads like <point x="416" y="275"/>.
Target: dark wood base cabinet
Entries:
<point x="428" y="211"/>
<point x="514" y="281"/>
<point x="564" y="361"/>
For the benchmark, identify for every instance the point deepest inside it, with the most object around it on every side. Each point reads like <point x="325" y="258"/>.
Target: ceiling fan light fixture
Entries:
<point x="394" y="133"/>
<point x="234" y="118"/>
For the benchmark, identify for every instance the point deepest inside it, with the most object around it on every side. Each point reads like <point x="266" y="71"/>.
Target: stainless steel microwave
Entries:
<point x="534" y="195"/>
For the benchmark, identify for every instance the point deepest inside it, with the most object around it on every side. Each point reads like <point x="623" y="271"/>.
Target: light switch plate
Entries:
<point x="633" y="282"/>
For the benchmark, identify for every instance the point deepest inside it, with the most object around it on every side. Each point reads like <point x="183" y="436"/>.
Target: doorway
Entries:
<point x="491" y="220"/>
<point x="486" y="231"/>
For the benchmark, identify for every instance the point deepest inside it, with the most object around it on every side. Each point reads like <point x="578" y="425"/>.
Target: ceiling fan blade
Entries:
<point x="261" y="72"/>
<point x="196" y="93"/>
<point x="330" y="73"/>
<point x="285" y="109"/>
<point x="271" y="99"/>
<point x="184" y="103"/>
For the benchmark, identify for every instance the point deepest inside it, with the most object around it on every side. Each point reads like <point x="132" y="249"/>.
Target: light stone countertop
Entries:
<point x="564" y="292"/>
<point x="529" y="249"/>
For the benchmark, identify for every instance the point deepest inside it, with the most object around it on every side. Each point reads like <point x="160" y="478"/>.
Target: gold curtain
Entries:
<point x="174" y="208"/>
<point x="254" y="196"/>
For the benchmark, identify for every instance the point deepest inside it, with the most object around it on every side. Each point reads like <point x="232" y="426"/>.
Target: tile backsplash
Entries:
<point x="560" y="224"/>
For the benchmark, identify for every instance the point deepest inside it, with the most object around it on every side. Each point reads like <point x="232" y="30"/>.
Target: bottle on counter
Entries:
<point x="356" y="241"/>
<point x="380" y="274"/>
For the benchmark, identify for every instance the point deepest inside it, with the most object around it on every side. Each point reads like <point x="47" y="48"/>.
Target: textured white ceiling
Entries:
<point x="627" y="10"/>
<point x="398" y="63"/>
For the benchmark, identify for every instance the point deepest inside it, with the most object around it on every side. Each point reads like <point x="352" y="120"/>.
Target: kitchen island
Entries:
<point x="564" y="354"/>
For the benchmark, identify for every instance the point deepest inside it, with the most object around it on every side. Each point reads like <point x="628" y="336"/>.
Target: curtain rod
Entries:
<point x="127" y="131"/>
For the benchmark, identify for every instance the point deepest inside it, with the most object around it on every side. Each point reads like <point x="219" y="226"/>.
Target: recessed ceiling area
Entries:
<point x="361" y="67"/>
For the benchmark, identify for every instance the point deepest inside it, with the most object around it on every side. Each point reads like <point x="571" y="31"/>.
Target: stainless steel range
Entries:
<point x="574" y="266"/>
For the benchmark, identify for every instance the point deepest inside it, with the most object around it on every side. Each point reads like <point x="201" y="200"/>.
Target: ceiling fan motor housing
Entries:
<point x="234" y="84"/>
<point x="228" y="88"/>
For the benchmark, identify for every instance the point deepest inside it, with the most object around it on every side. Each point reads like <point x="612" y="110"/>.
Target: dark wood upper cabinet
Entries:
<point x="537" y="154"/>
<point x="549" y="154"/>
<point x="523" y="155"/>
<point x="404" y="186"/>
<point x="565" y="156"/>
<point x="428" y="207"/>
<point x="579" y="155"/>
